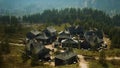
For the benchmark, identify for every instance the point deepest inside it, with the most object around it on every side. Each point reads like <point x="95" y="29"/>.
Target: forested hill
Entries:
<point x="68" y="15"/>
<point x="23" y="7"/>
<point x="71" y="15"/>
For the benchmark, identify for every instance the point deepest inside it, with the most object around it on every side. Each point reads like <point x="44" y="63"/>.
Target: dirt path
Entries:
<point x="82" y="62"/>
<point x="107" y="41"/>
<point x="50" y="46"/>
<point x="16" y="44"/>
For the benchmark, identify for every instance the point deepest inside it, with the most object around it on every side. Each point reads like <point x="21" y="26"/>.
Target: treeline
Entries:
<point x="70" y="15"/>
<point x="9" y="19"/>
<point x="87" y="17"/>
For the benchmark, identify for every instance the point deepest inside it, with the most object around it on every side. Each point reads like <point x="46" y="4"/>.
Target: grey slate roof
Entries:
<point x="32" y="34"/>
<point x="51" y="29"/>
<point x="42" y="36"/>
<point x="35" y="32"/>
<point x="66" y="55"/>
<point x="93" y="36"/>
<point x="36" y="47"/>
<point x="28" y="45"/>
<point x="64" y="34"/>
<point x="69" y="41"/>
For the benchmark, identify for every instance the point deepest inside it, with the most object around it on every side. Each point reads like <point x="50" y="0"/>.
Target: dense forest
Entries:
<point x="87" y="17"/>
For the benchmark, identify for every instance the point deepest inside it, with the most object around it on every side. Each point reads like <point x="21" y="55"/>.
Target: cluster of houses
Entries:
<point x="71" y="37"/>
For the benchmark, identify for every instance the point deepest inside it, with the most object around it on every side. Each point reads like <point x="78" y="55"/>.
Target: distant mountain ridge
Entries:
<point x="24" y="7"/>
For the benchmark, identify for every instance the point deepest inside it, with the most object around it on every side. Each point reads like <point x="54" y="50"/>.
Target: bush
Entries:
<point x="5" y="47"/>
<point x="102" y="59"/>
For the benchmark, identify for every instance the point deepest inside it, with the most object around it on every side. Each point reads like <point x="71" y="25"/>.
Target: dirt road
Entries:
<point x="82" y="62"/>
<point x="16" y="44"/>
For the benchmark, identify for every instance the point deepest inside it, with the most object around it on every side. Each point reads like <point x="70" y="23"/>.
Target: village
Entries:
<point x="57" y="48"/>
<point x="59" y="34"/>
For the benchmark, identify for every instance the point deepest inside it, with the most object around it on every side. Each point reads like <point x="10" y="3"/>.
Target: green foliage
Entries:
<point x="109" y="64"/>
<point x="86" y="52"/>
<point x="114" y="35"/>
<point x="116" y="20"/>
<point x="1" y="58"/>
<point x="69" y="15"/>
<point x="102" y="59"/>
<point x="25" y="57"/>
<point x="94" y="64"/>
<point x="115" y="62"/>
<point x="4" y="19"/>
<point x="34" y="60"/>
<point x="113" y="52"/>
<point x="5" y="47"/>
<point x="4" y="50"/>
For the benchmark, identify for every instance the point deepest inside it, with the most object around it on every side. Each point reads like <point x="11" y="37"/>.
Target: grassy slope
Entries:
<point x="96" y="64"/>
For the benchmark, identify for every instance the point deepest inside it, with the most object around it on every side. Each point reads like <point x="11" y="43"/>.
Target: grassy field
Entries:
<point x="109" y="64"/>
<point x="109" y="52"/>
<point x="14" y="60"/>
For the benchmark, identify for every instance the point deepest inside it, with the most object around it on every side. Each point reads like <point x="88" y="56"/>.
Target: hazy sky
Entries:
<point x="41" y="3"/>
<point x="32" y="6"/>
<point x="28" y="6"/>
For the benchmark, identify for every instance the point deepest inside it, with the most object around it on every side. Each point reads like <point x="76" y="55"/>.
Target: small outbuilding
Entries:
<point x="42" y="37"/>
<point x="94" y="38"/>
<point x="51" y="33"/>
<point x="64" y="58"/>
<point x="37" y="49"/>
<point x="32" y="34"/>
